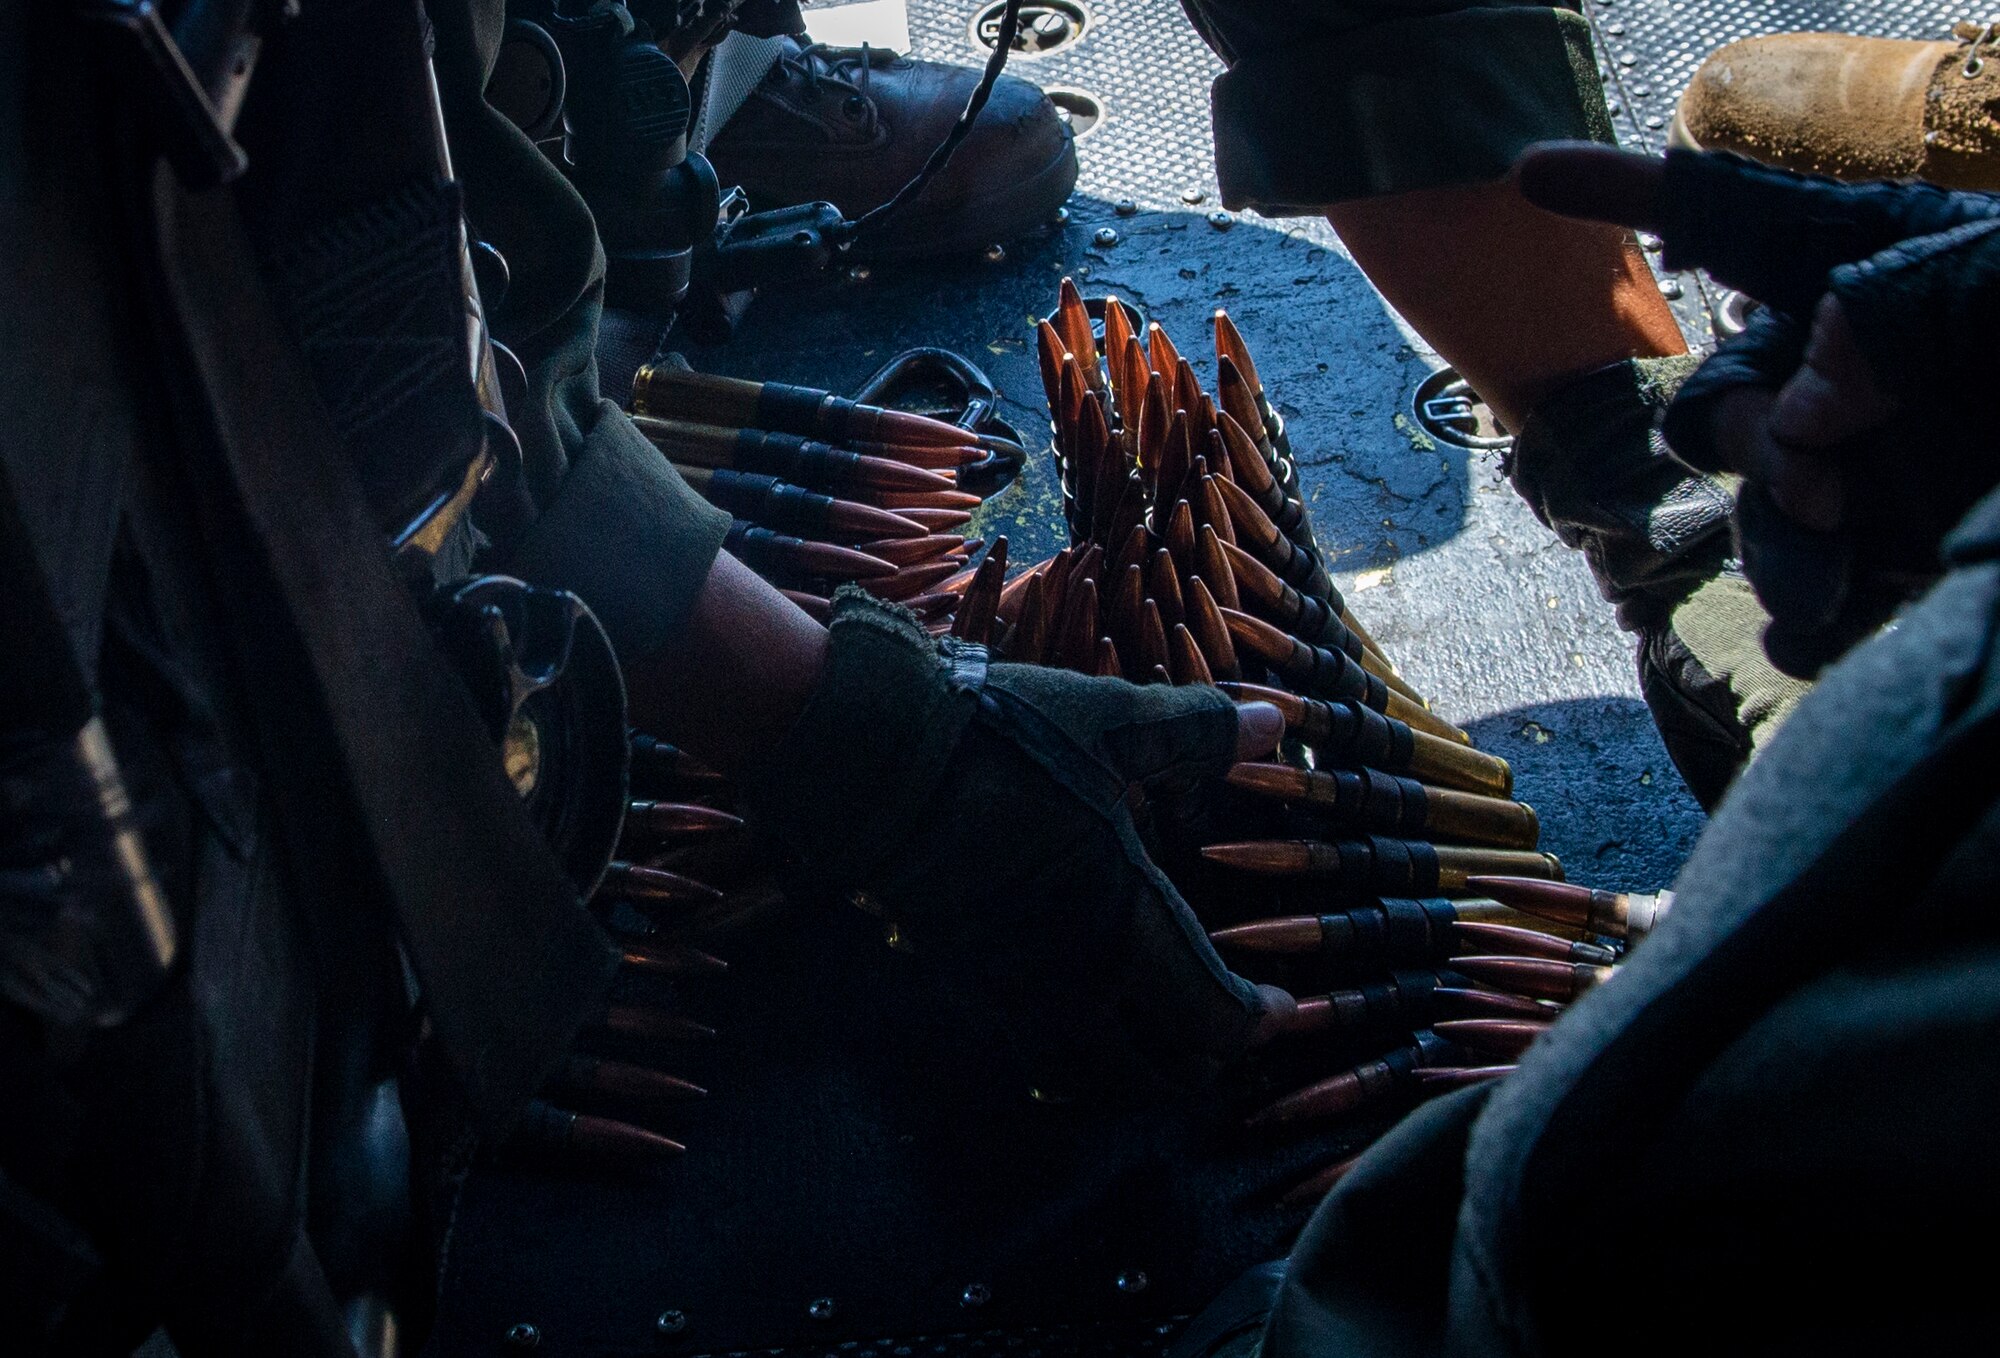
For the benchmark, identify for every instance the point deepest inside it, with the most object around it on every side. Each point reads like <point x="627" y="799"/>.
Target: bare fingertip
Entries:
<point x="1259" y="728"/>
<point x="1591" y="180"/>
<point x="1280" y="1011"/>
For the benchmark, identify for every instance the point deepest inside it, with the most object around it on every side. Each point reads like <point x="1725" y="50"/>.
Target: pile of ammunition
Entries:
<point x="686" y="875"/>
<point x="1378" y="866"/>
<point x="823" y="490"/>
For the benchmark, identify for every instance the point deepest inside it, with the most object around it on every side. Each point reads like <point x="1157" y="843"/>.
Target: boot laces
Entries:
<point x="843" y="68"/>
<point x="1976" y="35"/>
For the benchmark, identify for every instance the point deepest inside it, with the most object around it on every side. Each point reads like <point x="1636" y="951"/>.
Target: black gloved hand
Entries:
<point x="1852" y="405"/>
<point x="987" y="811"/>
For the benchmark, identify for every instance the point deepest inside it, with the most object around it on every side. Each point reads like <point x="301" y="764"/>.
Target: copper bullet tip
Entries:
<point x="1270" y="780"/>
<point x="879" y="474"/>
<point x="635" y="883"/>
<point x="1534" y="977"/>
<point x="684" y="819"/>
<point x="901" y="426"/>
<point x="621" y="1140"/>
<point x="1266" y="642"/>
<point x="622" y="1080"/>
<point x="1288" y="935"/>
<point x="1185" y="658"/>
<point x="1502" y="1037"/>
<point x="1534" y="896"/>
<point x="658" y="1025"/>
<point x="908" y="551"/>
<point x="826" y="559"/>
<point x="937" y="520"/>
<point x="1330" y="1098"/>
<point x="1282" y="858"/>
<point x="1616" y="913"/>
<point x="1107" y="665"/>
<point x="936" y="457"/>
<point x="913" y="580"/>
<point x="1461" y="1003"/>
<point x="670" y="960"/>
<point x="905" y="502"/>
<point x="1512" y="939"/>
<point x="1443" y="1080"/>
<point x="852" y="520"/>
<point x="1161" y="355"/>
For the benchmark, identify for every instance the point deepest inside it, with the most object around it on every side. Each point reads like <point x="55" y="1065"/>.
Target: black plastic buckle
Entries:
<point x="787" y="245"/>
<point x="194" y="135"/>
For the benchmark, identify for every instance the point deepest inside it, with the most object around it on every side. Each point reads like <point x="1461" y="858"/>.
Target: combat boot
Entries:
<point x="1854" y="108"/>
<point x="852" y="125"/>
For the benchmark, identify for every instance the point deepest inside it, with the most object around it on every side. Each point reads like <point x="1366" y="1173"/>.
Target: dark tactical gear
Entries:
<point x="260" y="1145"/>
<point x="613" y="522"/>
<point x="1592" y="465"/>
<point x="985" y="811"/>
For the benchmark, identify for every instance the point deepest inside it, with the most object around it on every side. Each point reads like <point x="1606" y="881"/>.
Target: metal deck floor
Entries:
<point x="1488" y="615"/>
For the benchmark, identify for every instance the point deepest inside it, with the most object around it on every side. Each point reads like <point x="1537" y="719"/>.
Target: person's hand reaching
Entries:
<point x="1854" y="404"/>
<point x="986" y="811"/>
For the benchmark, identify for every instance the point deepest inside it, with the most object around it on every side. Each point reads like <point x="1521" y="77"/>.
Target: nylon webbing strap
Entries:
<point x="508" y="961"/>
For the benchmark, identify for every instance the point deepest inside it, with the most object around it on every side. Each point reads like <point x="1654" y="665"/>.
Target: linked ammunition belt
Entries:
<point x="1440" y="941"/>
<point x="1378" y="866"/>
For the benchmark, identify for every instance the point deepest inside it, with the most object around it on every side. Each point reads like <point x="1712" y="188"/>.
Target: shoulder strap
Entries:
<point x="509" y="963"/>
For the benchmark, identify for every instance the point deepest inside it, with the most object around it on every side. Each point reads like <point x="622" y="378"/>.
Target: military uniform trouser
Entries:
<point x="1325" y="101"/>
<point x="1591" y="464"/>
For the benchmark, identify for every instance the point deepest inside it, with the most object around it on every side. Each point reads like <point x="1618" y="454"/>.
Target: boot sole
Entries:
<point x="1678" y="136"/>
<point x="969" y="227"/>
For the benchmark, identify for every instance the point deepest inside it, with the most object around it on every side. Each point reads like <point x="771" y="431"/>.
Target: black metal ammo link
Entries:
<point x="770" y="503"/>
<point x="1345" y="732"/>
<point x="1407" y="1000"/>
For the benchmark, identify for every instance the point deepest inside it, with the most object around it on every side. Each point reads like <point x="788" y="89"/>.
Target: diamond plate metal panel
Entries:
<point x="1145" y="64"/>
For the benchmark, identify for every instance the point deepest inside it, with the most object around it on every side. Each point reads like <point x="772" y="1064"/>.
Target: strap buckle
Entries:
<point x="196" y="133"/>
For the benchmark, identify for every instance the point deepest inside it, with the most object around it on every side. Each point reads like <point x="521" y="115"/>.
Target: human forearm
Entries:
<point x="729" y="684"/>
